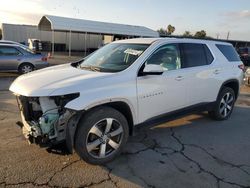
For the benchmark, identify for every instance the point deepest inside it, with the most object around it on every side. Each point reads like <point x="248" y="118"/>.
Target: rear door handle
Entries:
<point x="179" y="78"/>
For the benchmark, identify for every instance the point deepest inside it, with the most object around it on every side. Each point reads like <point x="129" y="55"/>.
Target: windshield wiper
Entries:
<point x="92" y="68"/>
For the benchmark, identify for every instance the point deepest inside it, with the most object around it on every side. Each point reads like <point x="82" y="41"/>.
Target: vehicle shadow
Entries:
<point x="175" y="151"/>
<point x="155" y="156"/>
<point x="59" y="149"/>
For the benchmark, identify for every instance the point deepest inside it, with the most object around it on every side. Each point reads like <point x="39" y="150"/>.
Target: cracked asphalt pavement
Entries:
<point x="188" y="151"/>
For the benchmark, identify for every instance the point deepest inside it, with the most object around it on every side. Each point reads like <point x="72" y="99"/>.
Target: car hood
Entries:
<point x="55" y="80"/>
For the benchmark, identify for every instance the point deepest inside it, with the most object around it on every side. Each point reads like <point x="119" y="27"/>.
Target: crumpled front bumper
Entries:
<point x="30" y="129"/>
<point x="64" y="127"/>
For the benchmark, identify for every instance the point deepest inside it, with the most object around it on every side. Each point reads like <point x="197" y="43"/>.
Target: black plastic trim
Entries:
<point x="228" y="81"/>
<point x="207" y="106"/>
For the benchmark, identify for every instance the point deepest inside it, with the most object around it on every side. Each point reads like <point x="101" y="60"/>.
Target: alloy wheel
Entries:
<point x="26" y="69"/>
<point x="104" y="138"/>
<point x="226" y="104"/>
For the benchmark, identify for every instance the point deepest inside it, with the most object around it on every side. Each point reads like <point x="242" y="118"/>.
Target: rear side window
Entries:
<point x="229" y="52"/>
<point x="195" y="55"/>
<point x="8" y="51"/>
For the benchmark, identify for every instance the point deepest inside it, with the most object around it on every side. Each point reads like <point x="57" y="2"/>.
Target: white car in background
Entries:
<point x="93" y="104"/>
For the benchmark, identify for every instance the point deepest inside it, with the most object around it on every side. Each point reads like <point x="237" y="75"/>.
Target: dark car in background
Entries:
<point x="244" y="53"/>
<point x="15" y="57"/>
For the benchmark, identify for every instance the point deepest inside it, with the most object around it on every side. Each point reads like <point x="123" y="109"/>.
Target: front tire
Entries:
<point x="224" y="105"/>
<point x="25" y="68"/>
<point x="101" y="135"/>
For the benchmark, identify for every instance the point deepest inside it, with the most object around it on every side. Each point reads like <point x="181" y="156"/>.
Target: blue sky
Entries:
<point x="217" y="17"/>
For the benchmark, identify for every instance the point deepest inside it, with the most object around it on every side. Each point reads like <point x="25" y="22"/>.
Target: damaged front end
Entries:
<point x="46" y="121"/>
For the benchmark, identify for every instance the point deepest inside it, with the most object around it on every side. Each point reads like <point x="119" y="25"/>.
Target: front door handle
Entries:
<point x="217" y="71"/>
<point x="179" y="78"/>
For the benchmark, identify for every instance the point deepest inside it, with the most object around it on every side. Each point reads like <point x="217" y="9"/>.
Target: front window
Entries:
<point x="167" y="56"/>
<point x="113" y="57"/>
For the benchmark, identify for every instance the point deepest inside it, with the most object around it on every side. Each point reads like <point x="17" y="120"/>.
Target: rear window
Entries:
<point x="229" y="52"/>
<point x="196" y="55"/>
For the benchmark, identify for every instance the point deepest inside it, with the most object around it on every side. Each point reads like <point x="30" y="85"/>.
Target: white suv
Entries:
<point x="93" y="104"/>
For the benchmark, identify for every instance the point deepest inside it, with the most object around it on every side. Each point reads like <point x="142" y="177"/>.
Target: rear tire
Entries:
<point x="224" y="105"/>
<point x="25" y="68"/>
<point x="101" y="135"/>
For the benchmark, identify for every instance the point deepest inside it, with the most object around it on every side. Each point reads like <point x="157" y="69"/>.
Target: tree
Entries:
<point x="187" y="34"/>
<point x="162" y="31"/>
<point x="200" y="34"/>
<point x="170" y="29"/>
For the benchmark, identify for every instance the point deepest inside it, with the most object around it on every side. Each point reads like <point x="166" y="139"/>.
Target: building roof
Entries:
<point x="57" y="23"/>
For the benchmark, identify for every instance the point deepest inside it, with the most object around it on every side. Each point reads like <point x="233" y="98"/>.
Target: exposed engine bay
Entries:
<point x="44" y="118"/>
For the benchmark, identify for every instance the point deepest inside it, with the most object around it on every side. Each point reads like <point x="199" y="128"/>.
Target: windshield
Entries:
<point x="113" y="57"/>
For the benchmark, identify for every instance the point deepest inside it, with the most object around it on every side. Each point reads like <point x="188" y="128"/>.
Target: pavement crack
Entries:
<point x="134" y="174"/>
<point x="98" y="183"/>
<point x="152" y="146"/>
<point x="201" y="169"/>
<point x="3" y="118"/>
<point x="138" y="131"/>
<point x="136" y="152"/>
<point x="66" y="166"/>
<point x="24" y="183"/>
<point x="177" y="139"/>
<point x="109" y="176"/>
<point x="220" y="160"/>
<point x="175" y="165"/>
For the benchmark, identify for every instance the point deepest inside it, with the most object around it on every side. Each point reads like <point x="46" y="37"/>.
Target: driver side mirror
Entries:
<point x="152" y="69"/>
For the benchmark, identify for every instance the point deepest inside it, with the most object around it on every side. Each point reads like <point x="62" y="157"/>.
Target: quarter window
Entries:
<point x="229" y="52"/>
<point x="168" y="56"/>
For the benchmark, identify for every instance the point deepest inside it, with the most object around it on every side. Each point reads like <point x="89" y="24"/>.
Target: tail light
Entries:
<point x="242" y="67"/>
<point x="44" y="58"/>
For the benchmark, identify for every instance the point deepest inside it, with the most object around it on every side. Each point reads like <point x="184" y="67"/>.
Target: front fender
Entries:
<point x="86" y="103"/>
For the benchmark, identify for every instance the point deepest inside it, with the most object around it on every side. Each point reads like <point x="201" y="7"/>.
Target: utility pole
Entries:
<point x="228" y="33"/>
<point x="217" y="35"/>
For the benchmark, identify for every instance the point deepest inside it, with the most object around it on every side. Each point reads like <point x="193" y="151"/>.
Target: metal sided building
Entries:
<point x="21" y="33"/>
<point x="74" y="34"/>
<point x="88" y="27"/>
